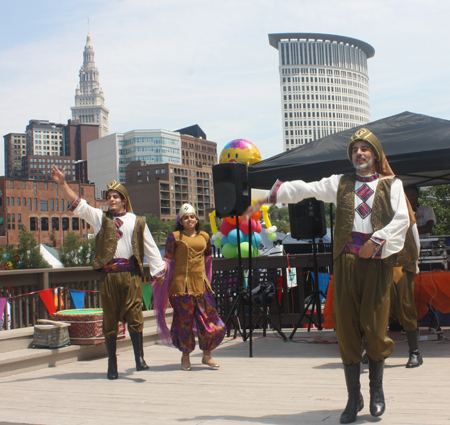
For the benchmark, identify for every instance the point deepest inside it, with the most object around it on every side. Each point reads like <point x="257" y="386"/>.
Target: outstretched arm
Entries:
<point x="60" y="178"/>
<point x="253" y="208"/>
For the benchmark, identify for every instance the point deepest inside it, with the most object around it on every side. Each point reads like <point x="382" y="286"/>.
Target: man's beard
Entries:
<point x="364" y="167"/>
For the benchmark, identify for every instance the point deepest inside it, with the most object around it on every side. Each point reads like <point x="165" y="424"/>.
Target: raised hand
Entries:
<point x="57" y="175"/>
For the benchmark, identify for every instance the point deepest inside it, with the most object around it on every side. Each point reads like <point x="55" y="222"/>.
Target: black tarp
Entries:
<point x="416" y="146"/>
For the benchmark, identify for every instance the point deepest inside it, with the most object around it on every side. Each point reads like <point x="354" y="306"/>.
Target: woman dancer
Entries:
<point x="187" y="285"/>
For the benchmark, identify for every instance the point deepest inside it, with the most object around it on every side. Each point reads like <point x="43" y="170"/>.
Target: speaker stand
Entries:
<point x="243" y="294"/>
<point x="314" y="300"/>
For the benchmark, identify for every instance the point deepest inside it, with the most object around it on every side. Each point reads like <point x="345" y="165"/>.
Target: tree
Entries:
<point x="206" y="227"/>
<point x="76" y="253"/>
<point x="52" y="237"/>
<point x="159" y="229"/>
<point x="279" y="217"/>
<point x="26" y="256"/>
<point x="438" y="197"/>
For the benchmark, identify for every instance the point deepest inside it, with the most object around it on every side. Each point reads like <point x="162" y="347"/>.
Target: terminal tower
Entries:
<point x="89" y="98"/>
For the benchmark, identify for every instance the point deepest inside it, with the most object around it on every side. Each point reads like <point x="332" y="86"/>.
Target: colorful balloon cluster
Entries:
<point x="243" y="151"/>
<point x="227" y="237"/>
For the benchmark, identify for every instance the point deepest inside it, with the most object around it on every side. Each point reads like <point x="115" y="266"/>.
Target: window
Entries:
<point x="35" y="204"/>
<point x="33" y="223"/>
<point x="65" y="223"/>
<point x="44" y="205"/>
<point x="30" y="206"/>
<point x="75" y="223"/>
<point x="55" y="223"/>
<point x="12" y="184"/>
<point x="44" y="224"/>
<point x="12" y="201"/>
<point x="19" y="218"/>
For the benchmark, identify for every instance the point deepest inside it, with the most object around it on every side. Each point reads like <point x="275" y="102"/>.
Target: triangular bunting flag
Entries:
<point x="78" y="298"/>
<point x="47" y="297"/>
<point x="147" y="290"/>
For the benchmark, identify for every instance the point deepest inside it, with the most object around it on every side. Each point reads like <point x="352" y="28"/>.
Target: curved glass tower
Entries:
<point x="324" y="84"/>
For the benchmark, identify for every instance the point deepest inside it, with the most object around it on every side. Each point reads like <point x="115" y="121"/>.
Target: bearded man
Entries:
<point x="371" y="226"/>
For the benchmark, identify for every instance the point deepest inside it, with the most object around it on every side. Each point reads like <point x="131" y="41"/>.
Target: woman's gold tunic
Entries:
<point x="188" y="254"/>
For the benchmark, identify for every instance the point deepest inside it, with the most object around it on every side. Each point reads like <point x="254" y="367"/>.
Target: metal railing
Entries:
<point x="24" y="305"/>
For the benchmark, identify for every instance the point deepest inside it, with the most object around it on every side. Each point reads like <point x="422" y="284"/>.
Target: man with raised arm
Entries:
<point x="371" y="226"/>
<point x="122" y="240"/>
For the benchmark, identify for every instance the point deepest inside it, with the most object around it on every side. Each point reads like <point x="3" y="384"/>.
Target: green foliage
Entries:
<point x="438" y="197"/>
<point x="279" y="217"/>
<point x="278" y="214"/>
<point x="76" y="253"/>
<point x="206" y="227"/>
<point x="159" y="229"/>
<point x="26" y="256"/>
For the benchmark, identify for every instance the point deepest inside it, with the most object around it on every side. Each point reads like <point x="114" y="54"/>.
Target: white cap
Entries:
<point x="186" y="209"/>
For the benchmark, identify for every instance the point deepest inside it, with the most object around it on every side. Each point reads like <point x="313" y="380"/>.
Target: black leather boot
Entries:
<point x="377" y="403"/>
<point x="112" y="358"/>
<point x="138" y="347"/>
<point x="415" y="359"/>
<point x="355" y="401"/>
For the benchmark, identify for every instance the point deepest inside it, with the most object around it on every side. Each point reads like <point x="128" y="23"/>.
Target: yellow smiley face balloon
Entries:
<point x="240" y="150"/>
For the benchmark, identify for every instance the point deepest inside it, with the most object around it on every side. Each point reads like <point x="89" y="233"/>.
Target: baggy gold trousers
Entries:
<point x="361" y="290"/>
<point x="121" y="295"/>
<point x="403" y="305"/>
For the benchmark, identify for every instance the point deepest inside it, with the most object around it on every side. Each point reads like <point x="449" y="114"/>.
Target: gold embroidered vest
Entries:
<point x="382" y="214"/>
<point x="106" y="242"/>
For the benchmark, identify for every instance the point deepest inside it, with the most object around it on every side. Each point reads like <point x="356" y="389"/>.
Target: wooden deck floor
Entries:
<point x="294" y="382"/>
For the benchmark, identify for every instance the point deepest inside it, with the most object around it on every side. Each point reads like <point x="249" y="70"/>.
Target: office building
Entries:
<point x="324" y="84"/>
<point x="109" y="156"/>
<point x="161" y="189"/>
<point x="15" y="145"/>
<point x="48" y="143"/>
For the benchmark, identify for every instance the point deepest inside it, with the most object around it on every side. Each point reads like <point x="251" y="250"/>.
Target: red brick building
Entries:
<point x="40" y="206"/>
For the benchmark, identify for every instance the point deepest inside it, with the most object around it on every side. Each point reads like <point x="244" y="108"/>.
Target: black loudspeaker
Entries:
<point x="307" y="219"/>
<point x="232" y="194"/>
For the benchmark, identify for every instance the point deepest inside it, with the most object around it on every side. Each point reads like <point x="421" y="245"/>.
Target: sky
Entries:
<point x="169" y="64"/>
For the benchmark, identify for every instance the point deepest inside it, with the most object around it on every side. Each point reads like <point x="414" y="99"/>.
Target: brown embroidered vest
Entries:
<point x="106" y="242"/>
<point x="382" y="214"/>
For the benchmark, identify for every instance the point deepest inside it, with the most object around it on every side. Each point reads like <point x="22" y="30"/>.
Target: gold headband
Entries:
<point x="116" y="186"/>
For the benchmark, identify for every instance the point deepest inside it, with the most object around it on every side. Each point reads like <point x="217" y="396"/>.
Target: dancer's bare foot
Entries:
<point x="185" y="362"/>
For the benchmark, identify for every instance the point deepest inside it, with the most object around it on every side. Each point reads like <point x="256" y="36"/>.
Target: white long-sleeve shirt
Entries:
<point x="94" y="217"/>
<point x="326" y="190"/>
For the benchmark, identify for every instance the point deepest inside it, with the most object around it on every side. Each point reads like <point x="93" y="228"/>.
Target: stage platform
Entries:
<point x="284" y="383"/>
